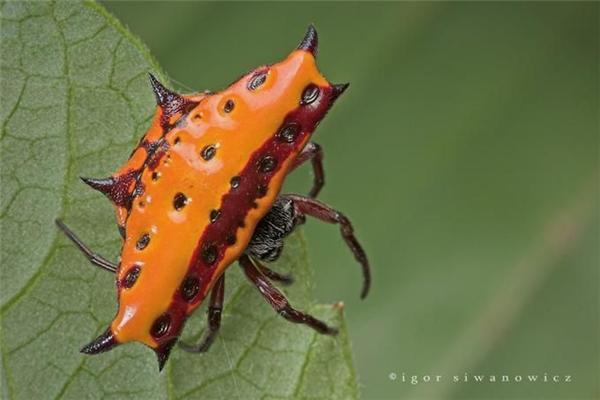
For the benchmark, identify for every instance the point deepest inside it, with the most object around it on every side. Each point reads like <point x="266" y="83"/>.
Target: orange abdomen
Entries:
<point x="200" y="193"/>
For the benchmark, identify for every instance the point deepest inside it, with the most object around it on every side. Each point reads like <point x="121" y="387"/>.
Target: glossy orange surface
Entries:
<point x="174" y="234"/>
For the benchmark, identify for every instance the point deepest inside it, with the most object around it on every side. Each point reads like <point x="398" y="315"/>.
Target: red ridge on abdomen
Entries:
<point x="254" y="181"/>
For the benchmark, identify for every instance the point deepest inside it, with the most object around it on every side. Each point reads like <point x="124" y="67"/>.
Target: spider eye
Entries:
<point x="310" y="94"/>
<point x="257" y="80"/>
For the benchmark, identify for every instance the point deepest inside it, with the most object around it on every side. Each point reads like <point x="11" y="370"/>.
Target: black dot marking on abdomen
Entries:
<point x="131" y="277"/>
<point x="190" y="287"/>
<point x="142" y="242"/>
<point x="289" y="132"/>
<point x="257" y="80"/>
<point x="161" y="326"/>
<point x="208" y="152"/>
<point x="155" y="176"/>
<point x="214" y="215"/>
<point x="179" y="201"/>
<point x="231" y="239"/>
<point x="310" y="94"/>
<point x="235" y="182"/>
<point x="229" y="106"/>
<point x="261" y="191"/>
<point x="209" y="253"/>
<point x="267" y="164"/>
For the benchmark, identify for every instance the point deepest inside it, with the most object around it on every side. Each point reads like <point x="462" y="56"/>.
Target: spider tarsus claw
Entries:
<point x="331" y="331"/>
<point x="286" y="280"/>
<point x="186" y="347"/>
<point x="364" y="292"/>
<point x="192" y="349"/>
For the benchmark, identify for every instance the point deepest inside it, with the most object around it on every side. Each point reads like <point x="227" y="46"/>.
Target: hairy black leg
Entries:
<point x="94" y="258"/>
<point x="278" y="301"/>
<point x="267" y="240"/>
<point x="313" y="152"/>
<point x="323" y="212"/>
<point x="274" y="276"/>
<point x="215" y="308"/>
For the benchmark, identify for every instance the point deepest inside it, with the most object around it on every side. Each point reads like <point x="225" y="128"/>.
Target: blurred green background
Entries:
<point x="465" y="153"/>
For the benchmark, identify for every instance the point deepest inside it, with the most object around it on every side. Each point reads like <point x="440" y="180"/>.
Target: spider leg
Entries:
<point x="214" y="311"/>
<point x="307" y="206"/>
<point x="284" y="279"/>
<point x="313" y="152"/>
<point x="268" y="238"/>
<point x="278" y="301"/>
<point x="92" y="257"/>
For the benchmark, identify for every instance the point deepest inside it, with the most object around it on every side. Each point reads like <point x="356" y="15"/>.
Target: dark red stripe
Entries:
<point x="236" y="204"/>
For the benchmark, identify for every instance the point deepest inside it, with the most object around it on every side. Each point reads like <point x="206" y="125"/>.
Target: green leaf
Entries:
<point x="75" y="99"/>
<point x="468" y="131"/>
